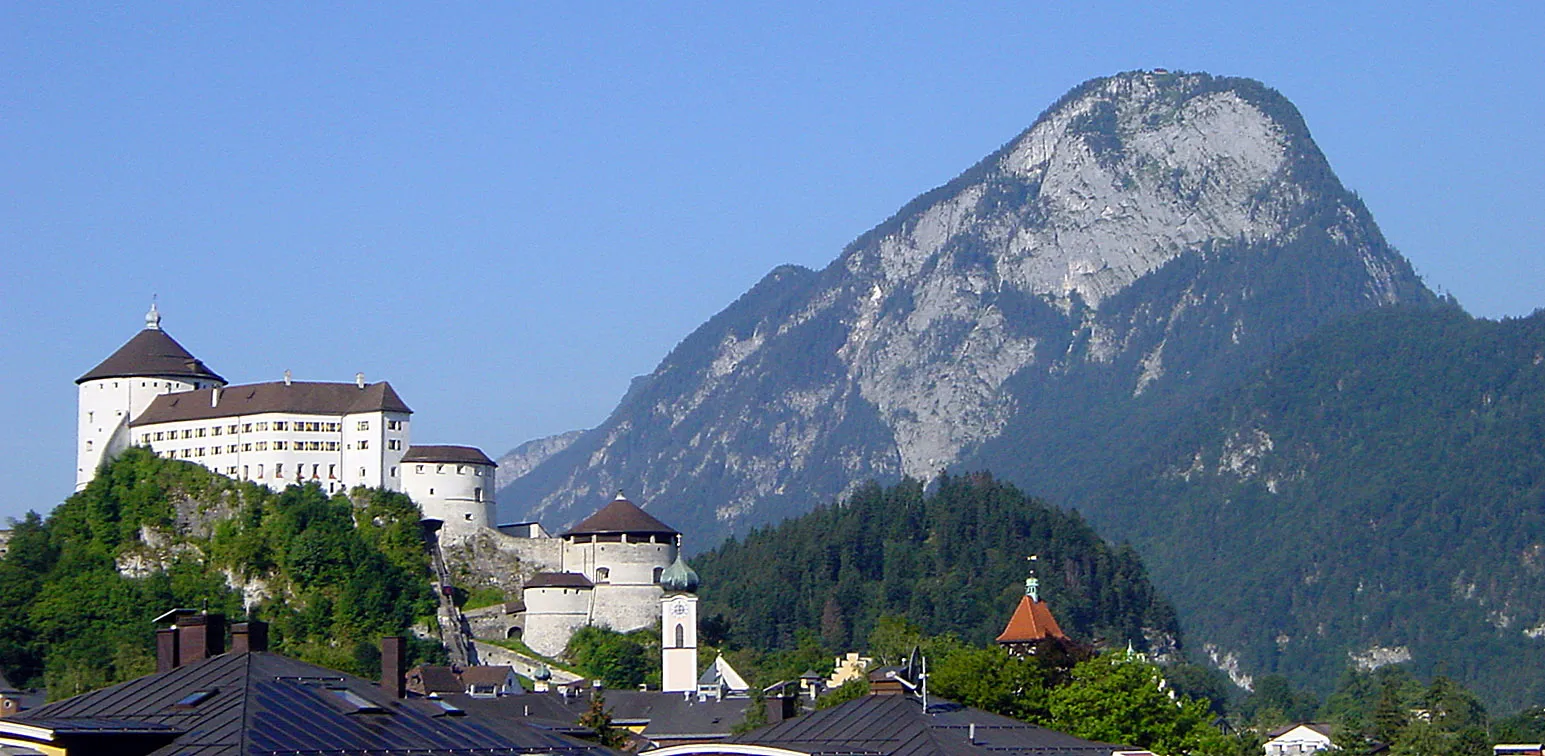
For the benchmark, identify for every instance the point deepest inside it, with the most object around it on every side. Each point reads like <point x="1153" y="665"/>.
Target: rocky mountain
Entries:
<point x="524" y="458"/>
<point x="1149" y="240"/>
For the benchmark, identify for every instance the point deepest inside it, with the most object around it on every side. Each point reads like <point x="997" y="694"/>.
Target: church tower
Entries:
<point x="114" y="392"/>
<point x="678" y="628"/>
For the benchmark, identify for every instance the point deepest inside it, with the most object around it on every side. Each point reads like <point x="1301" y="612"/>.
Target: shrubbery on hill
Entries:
<point x="330" y="575"/>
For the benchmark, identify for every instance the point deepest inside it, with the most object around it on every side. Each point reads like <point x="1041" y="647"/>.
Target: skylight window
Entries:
<point x="356" y="702"/>
<point x="194" y="699"/>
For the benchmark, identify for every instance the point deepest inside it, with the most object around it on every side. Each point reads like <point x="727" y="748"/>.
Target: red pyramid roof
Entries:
<point x="1032" y="621"/>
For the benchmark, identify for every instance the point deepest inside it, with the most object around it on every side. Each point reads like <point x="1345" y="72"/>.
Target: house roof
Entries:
<point x="1322" y="728"/>
<point x="486" y="675"/>
<point x="263" y="703"/>
<point x="430" y="678"/>
<point x="298" y="397"/>
<point x="151" y="354"/>
<point x="463" y="455"/>
<point x="898" y="726"/>
<point x="621" y="516"/>
<point x="559" y="580"/>
<point x="666" y="716"/>
<point x="1032" y="621"/>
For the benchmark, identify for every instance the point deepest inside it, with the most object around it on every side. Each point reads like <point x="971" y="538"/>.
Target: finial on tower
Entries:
<point x="153" y="318"/>
<point x="620" y="497"/>
<point x="287" y="377"/>
<point x="1032" y="585"/>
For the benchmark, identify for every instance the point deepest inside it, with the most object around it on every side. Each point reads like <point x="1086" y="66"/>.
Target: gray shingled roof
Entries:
<point x="296" y="397"/>
<point x="462" y="455"/>
<point x="151" y="354"/>
<point x="621" y="516"/>
<point x="898" y="726"/>
<point x="266" y="703"/>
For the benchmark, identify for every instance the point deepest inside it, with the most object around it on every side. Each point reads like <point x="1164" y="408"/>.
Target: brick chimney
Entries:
<point x="199" y="636"/>
<point x="249" y="636"/>
<point x="166" y="649"/>
<point x="394" y="665"/>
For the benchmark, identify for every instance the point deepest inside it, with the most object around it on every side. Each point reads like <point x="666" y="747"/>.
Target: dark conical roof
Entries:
<point x="151" y="354"/>
<point x="621" y="516"/>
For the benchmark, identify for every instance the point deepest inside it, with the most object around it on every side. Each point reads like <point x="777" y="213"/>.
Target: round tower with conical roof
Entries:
<point x="114" y="392"/>
<point x="624" y="551"/>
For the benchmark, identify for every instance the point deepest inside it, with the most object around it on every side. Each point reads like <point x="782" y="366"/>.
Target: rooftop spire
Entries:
<point x="153" y="318"/>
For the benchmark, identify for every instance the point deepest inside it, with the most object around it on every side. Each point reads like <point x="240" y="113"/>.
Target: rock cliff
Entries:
<point x="1145" y="242"/>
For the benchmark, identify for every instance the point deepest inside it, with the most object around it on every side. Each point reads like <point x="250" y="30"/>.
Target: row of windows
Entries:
<point x="322" y="446"/>
<point x="460" y="469"/>
<point x="259" y="427"/>
<point x="300" y="471"/>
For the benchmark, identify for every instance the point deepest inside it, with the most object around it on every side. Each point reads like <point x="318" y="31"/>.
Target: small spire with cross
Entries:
<point x="1032" y="585"/>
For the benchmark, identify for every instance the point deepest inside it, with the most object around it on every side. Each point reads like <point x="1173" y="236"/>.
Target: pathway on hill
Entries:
<point x="523" y="664"/>
<point x="454" y="632"/>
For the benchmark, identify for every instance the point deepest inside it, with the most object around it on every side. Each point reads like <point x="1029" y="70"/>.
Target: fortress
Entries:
<point x="620" y="568"/>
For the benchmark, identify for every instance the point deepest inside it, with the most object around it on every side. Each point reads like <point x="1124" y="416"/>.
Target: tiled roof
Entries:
<point x="263" y="703"/>
<point x="151" y="354"/>
<point x="465" y="455"/>
<point x="296" y="397"/>
<point x="621" y="516"/>
<point x="898" y="726"/>
<point x="559" y="580"/>
<point x="1032" y="621"/>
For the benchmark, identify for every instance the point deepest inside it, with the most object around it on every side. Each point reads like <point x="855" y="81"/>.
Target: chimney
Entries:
<point x="394" y="662"/>
<point x="166" y="649"/>
<point x="781" y="707"/>
<point x="359" y="380"/>
<point x="200" y="636"/>
<point x="249" y="636"/>
<point x="214" y="397"/>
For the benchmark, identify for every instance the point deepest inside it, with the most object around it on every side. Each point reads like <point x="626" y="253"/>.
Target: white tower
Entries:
<point x="678" y="628"/>
<point x="452" y="484"/>
<point x="123" y="385"/>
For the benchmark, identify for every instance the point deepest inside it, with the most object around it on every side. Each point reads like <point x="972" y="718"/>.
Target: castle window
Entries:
<point x="394" y="425"/>
<point x="280" y="445"/>
<point x="332" y="471"/>
<point x="468" y="516"/>
<point x="199" y="433"/>
<point x="431" y="492"/>
<point x="420" y="468"/>
<point x="477" y="494"/>
<point x="363" y="444"/>
<point x="394" y="472"/>
<point x="187" y="433"/>
<point x="439" y="469"/>
<point x="315" y="468"/>
<point x="394" y="444"/>
<point x="681" y="636"/>
<point x="215" y="431"/>
<point x="281" y="425"/>
<point x="246" y="447"/>
<point x="246" y="427"/>
<point x="362" y="425"/>
<point x="362" y="475"/>
<point x="461" y="469"/>
<point x="233" y="429"/>
<point x="90" y="417"/>
<point x="603" y="574"/>
<point x="657" y="572"/>
<point x="279" y="470"/>
<point x="244" y="471"/>
<point x="159" y="435"/>
<point x="88" y="444"/>
<point x="260" y="471"/>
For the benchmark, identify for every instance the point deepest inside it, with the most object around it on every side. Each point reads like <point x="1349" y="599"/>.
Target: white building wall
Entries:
<point x="105" y="407"/>
<point x="457" y="494"/>
<point x="553" y="615"/>
<point x="626" y="576"/>
<point x="278" y="449"/>
<point x="678" y="643"/>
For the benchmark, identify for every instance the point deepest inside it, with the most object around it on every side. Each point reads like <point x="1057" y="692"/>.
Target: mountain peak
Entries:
<point x="1150" y="235"/>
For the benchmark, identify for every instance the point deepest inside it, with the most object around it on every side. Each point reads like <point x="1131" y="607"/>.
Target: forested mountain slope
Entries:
<point x="951" y="560"/>
<point x="1376" y="493"/>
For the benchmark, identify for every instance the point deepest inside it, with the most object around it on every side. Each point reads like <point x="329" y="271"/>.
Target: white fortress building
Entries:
<point x="153" y="393"/>
<point x="610" y="571"/>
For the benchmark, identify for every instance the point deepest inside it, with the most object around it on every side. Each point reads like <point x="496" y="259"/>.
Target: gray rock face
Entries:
<point x="522" y="459"/>
<point x="1144" y="238"/>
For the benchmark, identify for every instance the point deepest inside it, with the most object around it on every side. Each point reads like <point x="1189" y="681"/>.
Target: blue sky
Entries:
<point x="509" y="210"/>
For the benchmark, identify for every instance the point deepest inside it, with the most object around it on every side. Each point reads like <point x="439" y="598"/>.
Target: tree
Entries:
<point x="1117" y="699"/>
<point x="599" y="719"/>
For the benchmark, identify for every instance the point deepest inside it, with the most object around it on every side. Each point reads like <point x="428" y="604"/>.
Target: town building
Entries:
<point x="1031" y="624"/>
<point x="1299" y="739"/>
<point x="208" y="701"/>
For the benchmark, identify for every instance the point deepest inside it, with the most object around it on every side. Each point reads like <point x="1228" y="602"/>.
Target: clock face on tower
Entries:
<point x="679" y="608"/>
